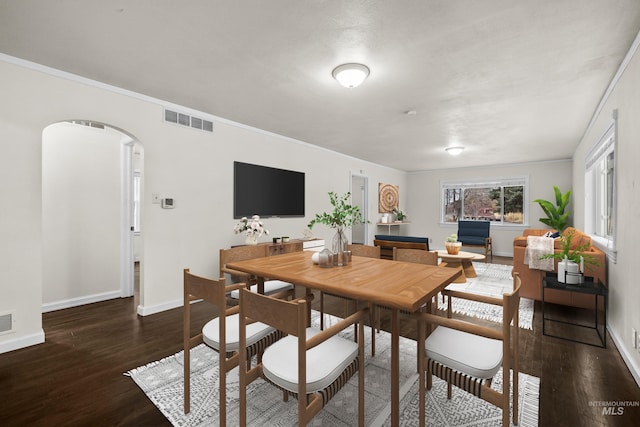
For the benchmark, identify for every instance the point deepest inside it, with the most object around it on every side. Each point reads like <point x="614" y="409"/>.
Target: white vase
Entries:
<point x="251" y="239"/>
<point x="572" y="269"/>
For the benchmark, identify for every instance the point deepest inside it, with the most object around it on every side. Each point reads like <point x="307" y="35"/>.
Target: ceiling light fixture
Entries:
<point x="350" y="75"/>
<point x="454" y="151"/>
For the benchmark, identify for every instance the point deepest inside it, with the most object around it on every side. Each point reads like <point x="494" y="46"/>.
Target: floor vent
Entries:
<point x="6" y="323"/>
<point x="187" y="120"/>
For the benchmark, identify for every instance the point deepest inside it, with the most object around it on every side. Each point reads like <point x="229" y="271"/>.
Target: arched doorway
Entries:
<point x="88" y="210"/>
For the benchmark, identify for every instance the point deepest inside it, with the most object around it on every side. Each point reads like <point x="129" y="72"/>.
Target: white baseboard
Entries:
<point x="74" y="302"/>
<point x="153" y="309"/>
<point x="22" y="342"/>
<point x="88" y="299"/>
<point x="628" y="360"/>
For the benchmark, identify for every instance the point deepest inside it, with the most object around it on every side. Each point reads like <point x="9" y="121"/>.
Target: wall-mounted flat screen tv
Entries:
<point x="267" y="191"/>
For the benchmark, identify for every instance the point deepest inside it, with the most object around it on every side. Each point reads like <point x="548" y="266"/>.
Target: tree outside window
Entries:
<point x="500" y="202"/>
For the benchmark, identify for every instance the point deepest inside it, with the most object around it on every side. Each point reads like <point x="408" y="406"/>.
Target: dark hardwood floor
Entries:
<point x="76" y="377"/>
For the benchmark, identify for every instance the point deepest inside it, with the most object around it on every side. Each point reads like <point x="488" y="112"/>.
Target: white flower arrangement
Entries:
<point x="399" y="214"/>
<point x="253" y="226"/>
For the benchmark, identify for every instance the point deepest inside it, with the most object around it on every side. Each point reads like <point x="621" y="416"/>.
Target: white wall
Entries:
<point x="80" y="214"/>
<point x="624" y="289"/>
<point x="21" y="210"/>
<point x="424" y="203"/>
<point x="192" y="166"/>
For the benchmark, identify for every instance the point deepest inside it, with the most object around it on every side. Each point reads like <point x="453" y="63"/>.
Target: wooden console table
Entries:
<point x="284" y="248"/>
<point x="293" y="245"/>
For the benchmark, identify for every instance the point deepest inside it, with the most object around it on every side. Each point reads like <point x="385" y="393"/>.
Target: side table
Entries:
<point x="590" y="287"/>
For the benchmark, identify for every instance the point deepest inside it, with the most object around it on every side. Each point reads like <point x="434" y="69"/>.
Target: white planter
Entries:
<point x="570" y="267"/>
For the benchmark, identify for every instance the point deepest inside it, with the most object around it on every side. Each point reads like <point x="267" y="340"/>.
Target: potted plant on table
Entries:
<point x="452" y="245"/>
<point x="400" y="215"/>
<point x="342" y="216"/>
<point x="572" y="261"/>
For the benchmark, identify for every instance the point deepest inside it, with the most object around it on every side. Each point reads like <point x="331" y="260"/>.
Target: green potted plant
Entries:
<point x="400" y="215"/>
<point x="343" y="215"/>
<point x="571" y="260"/>
<point x="556" y="215"/>
<point x="452" y="245"/>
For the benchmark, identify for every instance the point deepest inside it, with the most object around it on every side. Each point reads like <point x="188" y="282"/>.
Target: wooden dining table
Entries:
<point x="392" y="284"/>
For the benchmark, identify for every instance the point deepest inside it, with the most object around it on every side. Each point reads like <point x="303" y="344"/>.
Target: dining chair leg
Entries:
<point x="321" y="311"/>
<point x="372" y="319"/>
<point x="421" y="374"/>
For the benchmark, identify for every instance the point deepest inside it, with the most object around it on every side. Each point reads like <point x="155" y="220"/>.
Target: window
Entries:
<point x="501" y="201"/>
<point x="600" y="191"/>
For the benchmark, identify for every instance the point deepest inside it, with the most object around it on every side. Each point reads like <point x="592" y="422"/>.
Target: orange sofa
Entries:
<point x="532" y="278"/>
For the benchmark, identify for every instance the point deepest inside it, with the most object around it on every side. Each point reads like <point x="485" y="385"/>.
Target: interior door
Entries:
<point x="359" y="198"/>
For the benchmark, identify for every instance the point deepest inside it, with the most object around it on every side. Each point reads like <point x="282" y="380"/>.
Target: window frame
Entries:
<point x="595" y="185"/>
<point x="501" y="182"/>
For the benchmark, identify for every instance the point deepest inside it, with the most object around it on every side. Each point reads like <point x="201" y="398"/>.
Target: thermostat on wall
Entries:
<point x="167" y="203"/>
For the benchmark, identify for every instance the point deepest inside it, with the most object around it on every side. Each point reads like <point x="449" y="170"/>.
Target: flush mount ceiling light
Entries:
<point x="454" y="151"/>
<point x="350" y="75"/>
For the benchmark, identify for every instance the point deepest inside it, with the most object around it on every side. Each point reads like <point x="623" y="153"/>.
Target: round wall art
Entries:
<point x="388" y="197"/>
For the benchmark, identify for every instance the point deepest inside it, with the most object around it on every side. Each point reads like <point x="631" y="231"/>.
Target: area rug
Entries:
<point x="492" y="280"/>
<point x="162" y="381"/>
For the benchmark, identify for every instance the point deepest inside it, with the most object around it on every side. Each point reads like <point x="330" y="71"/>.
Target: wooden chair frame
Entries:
<point x="508" y="334"/>
<point x="214" y="291"/>
<point x="488" y="247"/>
<point x="291" y="317"/>
<point x="419" y="256"/>
<point x="386" y="246"/>
<point x="240" y="253"/>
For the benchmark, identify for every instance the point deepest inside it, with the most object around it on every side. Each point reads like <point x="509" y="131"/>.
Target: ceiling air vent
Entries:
<point x="187" y="120"/>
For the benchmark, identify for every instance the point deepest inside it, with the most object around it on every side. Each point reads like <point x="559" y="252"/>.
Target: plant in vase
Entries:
<point x="254" y="228"/>
<point x="452" y="245"/>
<point x="343" y="215"/>
<point x="400" y="215"/>
<point x="572" y="261"/>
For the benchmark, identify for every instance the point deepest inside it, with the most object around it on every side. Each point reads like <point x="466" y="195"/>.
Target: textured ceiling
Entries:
<point x="511" y="81"/>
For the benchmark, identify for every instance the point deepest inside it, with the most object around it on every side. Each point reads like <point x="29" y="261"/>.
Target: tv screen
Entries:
<point x="267" y="191"/>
